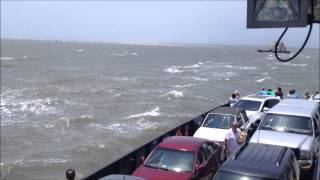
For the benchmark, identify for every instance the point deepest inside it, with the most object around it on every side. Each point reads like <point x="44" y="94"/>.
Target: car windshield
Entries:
<point x="248" y="105"/>
<point x="171" y="160"/>
<point x="287" y="123"/>
<point x="222" y="175"/>
<point x="221" y="121"/>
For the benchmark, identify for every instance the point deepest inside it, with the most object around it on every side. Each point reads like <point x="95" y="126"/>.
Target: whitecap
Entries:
<point x="291" y="64"/>
<point x="49" y="126"/>
<point x="126" y="53"/>
<point x="262" y="79"/>
<point x="31" y="162"/>
<point x="269" y="58"/>
<point x="184" y="86"/>
<point x="154" y="112"/>
<point x="200" y="79"/>
<point x="241" y="67"/>
<point x="307" y="57"/>
<point x="7" y="58"/>
<point x="118" y="127"/>
<point x="173" y="70"/>
<point x="79" y="50"/>
<point x="143" y="124"/>
<point x="174" y="93"/>
<point x="191" y="66"/>
<point x="274" y="67"/>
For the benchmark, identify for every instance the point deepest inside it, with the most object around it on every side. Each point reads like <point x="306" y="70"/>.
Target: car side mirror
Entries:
<point x="265" y="109"/>
<point x="199" y="168"/>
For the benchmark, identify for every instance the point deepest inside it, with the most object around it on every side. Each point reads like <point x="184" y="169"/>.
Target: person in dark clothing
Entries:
<point x="279" y="93"/>
<point x="70" y="174"/>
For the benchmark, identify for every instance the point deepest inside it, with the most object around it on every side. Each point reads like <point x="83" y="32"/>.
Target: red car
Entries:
<point x="181" y="157"/>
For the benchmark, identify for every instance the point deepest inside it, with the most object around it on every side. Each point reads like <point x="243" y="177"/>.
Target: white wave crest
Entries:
<point x="262" y="79"/>
<point x="200" y="79"/>
<point x="173" y="70"/>
<point x="241" y="67"/>
<point x="174" y="93"/>
<point x="154" y="112"/>
<point x="79" y="50"/>
<point x="11" y="107"/>
<point x="31" y="162"/>
<point x="184" y="86"/>
<point x="7" y="58"/>
<point x="291" y="64"/>
<point x="126" y="53"/>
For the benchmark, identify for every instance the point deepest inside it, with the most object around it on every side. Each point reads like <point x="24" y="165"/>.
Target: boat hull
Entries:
<point x="131" y="161"/>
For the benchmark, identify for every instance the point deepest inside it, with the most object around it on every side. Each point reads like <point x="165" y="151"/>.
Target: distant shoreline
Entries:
<point x="148" y="44"/>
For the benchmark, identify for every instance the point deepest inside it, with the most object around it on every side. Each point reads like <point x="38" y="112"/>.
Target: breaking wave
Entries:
<point x="263" y="79"/>
<point x="173" y="70"/>
<point x="200" y="79"/>
<point x="184" y="86"/>
<point x="6" y="58"/>
<point x="241" y="67"/>
<point x="177" y="69"/>
<point x="126" y="53"/>
<point x="154" y="112"/>
<point x="174" y="93"/>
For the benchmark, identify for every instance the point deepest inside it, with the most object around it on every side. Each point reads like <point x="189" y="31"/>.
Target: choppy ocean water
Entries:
<point x="82" y="105"/>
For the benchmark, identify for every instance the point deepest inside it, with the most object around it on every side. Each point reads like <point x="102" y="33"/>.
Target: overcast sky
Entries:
<point x="204" y="22"/>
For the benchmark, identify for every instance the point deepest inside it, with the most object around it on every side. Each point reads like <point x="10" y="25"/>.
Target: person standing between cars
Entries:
<point x="232" y="138"/>
<point x="232" y="99"/>
<point x="262" y="91"/>
<point x="270" y="92"/>
<point x="307" y="95"/>
<point x="279" y="93"/>
<point x="292" y="94"/>
<point x="237" y="93"/>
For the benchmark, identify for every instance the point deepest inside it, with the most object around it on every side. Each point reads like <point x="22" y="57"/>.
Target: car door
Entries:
<point x="200" y="169"/>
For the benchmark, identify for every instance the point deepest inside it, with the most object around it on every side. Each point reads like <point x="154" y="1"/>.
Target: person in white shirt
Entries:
<point x="232" y="138"/>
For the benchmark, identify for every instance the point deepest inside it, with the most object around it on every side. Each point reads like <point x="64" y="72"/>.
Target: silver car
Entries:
<point x="293" y="123"/>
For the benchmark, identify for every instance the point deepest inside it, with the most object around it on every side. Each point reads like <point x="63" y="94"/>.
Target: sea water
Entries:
<point x="83" y="105"/>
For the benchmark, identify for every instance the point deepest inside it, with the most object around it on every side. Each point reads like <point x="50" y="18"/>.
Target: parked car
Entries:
<point x="293" y="123"/>
<point x="256" y="105"/>
<point x="121" y="177"/>
<point x="181" y="157"/>
<point x="315" y="97"/>
<point x="260" y="162"/>
<point x="218" y="122"/>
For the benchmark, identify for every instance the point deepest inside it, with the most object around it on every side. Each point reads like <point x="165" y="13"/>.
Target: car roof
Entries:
<point x="185" y="143"/>
<point x="257" y="159"/>
<point x="298" y="107"/>
<point x="257" y="97"/>
<point x="226" y="110"/>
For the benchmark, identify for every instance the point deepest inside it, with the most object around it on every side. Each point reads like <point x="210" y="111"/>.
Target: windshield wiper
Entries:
<point x="268" y="128"/>
<point x="156" y="167"/>
<point x="294" y="131"/>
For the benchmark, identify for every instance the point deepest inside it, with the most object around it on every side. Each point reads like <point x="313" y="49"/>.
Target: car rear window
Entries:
<point x="248" y="105"/>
